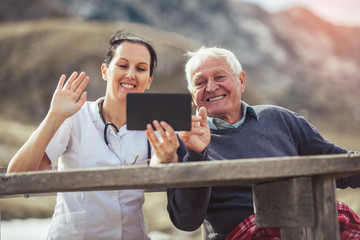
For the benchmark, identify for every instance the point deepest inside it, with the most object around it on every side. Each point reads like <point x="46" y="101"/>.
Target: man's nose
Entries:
<point x="211" y="86"/>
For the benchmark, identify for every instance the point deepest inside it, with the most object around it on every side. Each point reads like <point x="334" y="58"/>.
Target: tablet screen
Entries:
<point x="173" y="108"/>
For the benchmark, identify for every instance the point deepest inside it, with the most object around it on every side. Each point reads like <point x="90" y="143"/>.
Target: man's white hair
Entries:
<point x="199" y="56"/>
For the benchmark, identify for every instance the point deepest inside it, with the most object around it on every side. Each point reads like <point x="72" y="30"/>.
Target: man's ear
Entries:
<point x="103" y="71"/>
<point x="149" y="83"/>
<point x="242" y="79"/>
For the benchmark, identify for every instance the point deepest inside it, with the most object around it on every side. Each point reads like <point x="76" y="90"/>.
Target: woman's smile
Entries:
<point x="127" y="85"/>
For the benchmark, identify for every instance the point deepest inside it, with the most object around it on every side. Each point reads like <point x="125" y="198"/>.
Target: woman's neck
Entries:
<point x="114" y="112"/>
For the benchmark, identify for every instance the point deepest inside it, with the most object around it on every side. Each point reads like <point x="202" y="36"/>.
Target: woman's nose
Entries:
<point x="130" y="73"/>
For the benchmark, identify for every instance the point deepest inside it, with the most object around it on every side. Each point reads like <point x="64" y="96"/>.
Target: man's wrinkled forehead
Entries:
<point x="211" y="72"/>
<point x="208" y="66"/>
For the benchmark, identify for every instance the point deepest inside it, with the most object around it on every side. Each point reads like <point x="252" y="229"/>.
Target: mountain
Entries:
<point x="38" y="52"/>
<point x="22" y="10"/>
<point x="293" y="58"/>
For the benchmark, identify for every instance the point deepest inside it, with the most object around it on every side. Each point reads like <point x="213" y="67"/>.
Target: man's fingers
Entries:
<point x="198" y="131"/>
<point x="195" y="119"/>
<point x="203" y="115"/>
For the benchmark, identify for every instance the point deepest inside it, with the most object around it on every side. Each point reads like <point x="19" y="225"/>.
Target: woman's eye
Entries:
<point x="123" y="66"/>
<point x="141" y="69"/>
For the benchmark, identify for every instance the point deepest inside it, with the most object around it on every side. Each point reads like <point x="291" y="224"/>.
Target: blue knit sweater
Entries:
<point x="277" y="132"/>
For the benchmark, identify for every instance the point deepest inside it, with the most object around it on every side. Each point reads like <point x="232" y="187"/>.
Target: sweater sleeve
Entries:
<point x="310" y="142"/>
<point x="352" y="181"/>
<point x="187" y="207"/>
<point x="308" y="139"/>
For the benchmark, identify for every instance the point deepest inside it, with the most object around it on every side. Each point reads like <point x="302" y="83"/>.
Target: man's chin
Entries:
<point x="217" y="113"/>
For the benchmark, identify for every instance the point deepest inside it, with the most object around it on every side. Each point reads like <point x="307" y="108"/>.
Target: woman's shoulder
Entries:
<point x="89" y="107"/>
<point x="89" y="111"/>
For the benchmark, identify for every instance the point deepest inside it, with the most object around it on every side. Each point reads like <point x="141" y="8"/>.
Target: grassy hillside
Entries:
<point x="35" y="54"/>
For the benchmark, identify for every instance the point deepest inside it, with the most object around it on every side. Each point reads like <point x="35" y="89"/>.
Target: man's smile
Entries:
<point x="215" y="98"/>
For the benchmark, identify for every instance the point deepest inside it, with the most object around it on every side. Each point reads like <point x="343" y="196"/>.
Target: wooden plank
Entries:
<point x="46" y="194"/>
<point x="284" y="203"/>
<point x="195" y="174"/>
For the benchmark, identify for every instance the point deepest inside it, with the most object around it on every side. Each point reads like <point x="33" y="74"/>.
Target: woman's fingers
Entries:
<point x="167" y="135"/>
<point x="150" y="133"/>
<point x="82" y="85"/>
<point x="69" y="82"/>
<point x="61" y="82"/>
<point x="82" y="99"/>
<point x="77" y="82"/>
<point x="170" y="134"/>
<point x="166" y="143"/>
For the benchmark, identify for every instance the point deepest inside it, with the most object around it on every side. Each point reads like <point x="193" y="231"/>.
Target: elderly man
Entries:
<point x="231" y="129"/>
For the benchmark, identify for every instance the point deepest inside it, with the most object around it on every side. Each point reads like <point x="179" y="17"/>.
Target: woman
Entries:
<point x="82" y="134"/>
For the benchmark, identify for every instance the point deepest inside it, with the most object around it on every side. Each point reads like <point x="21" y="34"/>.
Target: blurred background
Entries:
<point x="302" y="55"/>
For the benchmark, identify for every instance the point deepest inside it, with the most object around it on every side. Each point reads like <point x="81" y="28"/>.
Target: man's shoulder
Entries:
<point x="274" y="111"/>
<point x="268" y="108"/>
<point x="278" y="114"/>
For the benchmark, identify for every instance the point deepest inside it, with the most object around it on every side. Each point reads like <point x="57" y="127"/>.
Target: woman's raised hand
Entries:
<point x="69" y="97"/>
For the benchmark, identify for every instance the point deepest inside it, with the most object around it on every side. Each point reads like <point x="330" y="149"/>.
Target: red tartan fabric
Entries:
<point x="349" y="222"/>
<point x="349" y="226"/>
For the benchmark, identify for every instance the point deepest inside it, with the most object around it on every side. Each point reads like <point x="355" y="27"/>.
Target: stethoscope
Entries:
<point x="107" y="124"/>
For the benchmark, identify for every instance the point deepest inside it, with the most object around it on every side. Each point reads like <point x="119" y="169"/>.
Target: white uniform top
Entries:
<point x="79" y="143"/>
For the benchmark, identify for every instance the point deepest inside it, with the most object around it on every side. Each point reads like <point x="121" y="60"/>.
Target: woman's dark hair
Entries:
<point x="121" y="37"/>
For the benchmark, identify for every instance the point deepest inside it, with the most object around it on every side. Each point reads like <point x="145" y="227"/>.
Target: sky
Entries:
<point x="339" y="12"/>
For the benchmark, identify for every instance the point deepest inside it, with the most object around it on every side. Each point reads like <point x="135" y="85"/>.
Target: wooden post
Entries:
<point x="284" y="203"/>
<point x="326" y="214"/>
<point x="303" y="208"/>
<point x="295" y="233"/>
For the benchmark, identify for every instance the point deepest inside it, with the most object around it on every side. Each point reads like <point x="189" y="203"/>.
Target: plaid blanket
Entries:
<point x="349" y="226"/>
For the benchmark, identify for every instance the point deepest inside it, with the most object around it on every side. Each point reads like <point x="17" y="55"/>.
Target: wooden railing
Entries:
<point x="296" y="194"/>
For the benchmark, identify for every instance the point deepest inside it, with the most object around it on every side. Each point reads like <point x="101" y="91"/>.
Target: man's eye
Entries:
<point x="200" y="83"/>
<point x="219" y="77"/>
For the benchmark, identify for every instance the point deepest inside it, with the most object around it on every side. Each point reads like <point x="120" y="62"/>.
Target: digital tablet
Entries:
<point x="173" y="108"/>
